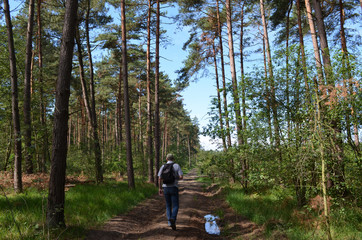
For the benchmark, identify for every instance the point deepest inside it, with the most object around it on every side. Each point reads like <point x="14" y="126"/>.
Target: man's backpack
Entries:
<point x="168" y="175"/>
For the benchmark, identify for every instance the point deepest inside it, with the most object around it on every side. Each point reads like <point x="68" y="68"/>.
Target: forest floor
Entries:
<point x="148" y="219"/>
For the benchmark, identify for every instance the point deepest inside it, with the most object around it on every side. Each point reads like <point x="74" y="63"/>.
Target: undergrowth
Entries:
<point x="22" y="216"/>
<point x="277" y="211"/>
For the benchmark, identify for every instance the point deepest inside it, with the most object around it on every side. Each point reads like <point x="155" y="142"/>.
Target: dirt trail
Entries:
<point x="148" y="220"/>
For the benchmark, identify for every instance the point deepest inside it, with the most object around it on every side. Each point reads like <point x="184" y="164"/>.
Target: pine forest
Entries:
<point x="88" y="114"/>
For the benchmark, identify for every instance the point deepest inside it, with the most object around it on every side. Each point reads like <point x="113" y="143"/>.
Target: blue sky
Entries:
<point x="196" y="97"/>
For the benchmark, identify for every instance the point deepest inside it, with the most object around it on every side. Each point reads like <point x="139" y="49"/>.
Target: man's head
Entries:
<point x="170" y="157"/>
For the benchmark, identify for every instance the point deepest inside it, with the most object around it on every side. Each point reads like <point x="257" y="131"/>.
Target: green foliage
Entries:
<point x="86" y="206"/>
<point x="276" y="209"/>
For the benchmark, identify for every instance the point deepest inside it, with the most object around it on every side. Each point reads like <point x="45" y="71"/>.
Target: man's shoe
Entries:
<point x="173" y="224"/>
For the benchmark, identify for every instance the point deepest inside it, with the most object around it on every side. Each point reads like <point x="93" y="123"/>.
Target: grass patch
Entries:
<point x="86" y="206"/>
<point x="276" y="210"/>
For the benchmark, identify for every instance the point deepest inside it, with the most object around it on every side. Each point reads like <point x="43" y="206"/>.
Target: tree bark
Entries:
<point x="44" y="133"/>
<point x="96" y="145"/>
<point x="219" y="100"/>
<point x="119" y="110"/>
<point x="130" y="173"/>
<point x="267" y="96"/>
<point x="243" y="82"/>
<point x="141" y="130"/>
<point x="157" y="104"/>
<point x="233" y="74"/>
<point x="302" y="50"/>
<point x="315" y="42"/>
<point x="18" y="186"/>
<point x="226" y="112"/>
<point x="288" y="114"/>
<point x="323" y="41"/>
<point x="149" y="101"/>
<point x="56" y="197"/>
<point x="27" y="91"/>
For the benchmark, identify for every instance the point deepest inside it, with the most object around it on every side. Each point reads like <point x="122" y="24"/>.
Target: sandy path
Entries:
<point x="148" y="220"/>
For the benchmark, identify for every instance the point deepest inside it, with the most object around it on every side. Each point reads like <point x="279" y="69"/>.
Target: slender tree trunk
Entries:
<point x="96" y="145"/>
<point x="233" y="74"/>
<point x="149" y="101"/>
<point x="144" y="164"/>
<point x="323" y="41"/>
<point x="244" y="161"/>
<point x="315" y="42"/>
<point x="18" y="186"/>
<point x="119" y="109"/>
<point x="304" y="62"/>
<point x="56" y="197"/>
<point x="90" y="110"/>
<point x="287" y="71"/>
<point x="243" y="82"/>
<point x="273" y="102"/>
<point x="130" y="173"/>
<point x="157" y="104"/>
<point x="267" y="96"/>
<point x="27" y="91"/>
<point x="44" y="131"/>
<point x="226" y="112"/>
<point x="164" y="142"/>
<point x="219" y="100"/>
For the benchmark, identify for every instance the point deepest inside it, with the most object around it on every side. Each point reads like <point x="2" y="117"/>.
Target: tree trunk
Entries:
<point x="226" y="112"/>
<point x="119" y="109"/>
<point x="56" y="197"/>
<point x="323" y="41"/>
<point x="244" y="161"/>
<point x="288" y="114"/>
<point x="233" y="74"/>
<point x="94" y="124"/>
<point x="44" y="131"/>
<point x="274" y="105"/>
<point x="130" y="173"/>
<point x="304" y="62"/>
<point x="18" y="186"/>
<point x="219" y="100"/>
<point x="243" y="83"/>
<point x="157" y="104"/>
<point x="144" y="164"/>
<point x="315" y="42"/>
<point x="27" y="91"/>
<point x="267" y="96"/>
<point x="149" y="101"/>
<point x="164" y="142"/>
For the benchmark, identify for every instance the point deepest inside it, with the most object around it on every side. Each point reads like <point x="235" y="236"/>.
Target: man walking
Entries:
<point x="169" y="188"/>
